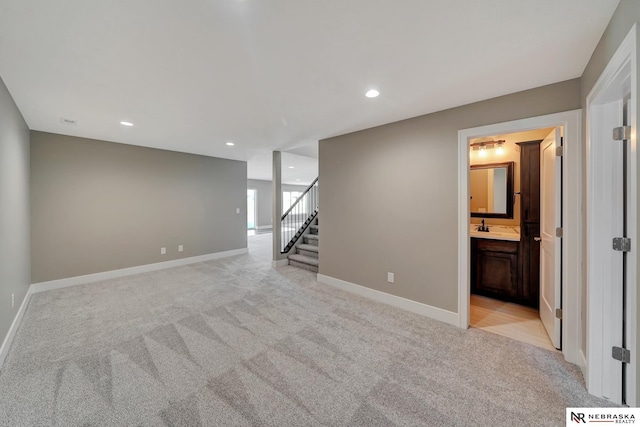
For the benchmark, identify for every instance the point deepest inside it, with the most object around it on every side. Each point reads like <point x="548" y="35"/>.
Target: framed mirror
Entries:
<point x="491" y="190"/>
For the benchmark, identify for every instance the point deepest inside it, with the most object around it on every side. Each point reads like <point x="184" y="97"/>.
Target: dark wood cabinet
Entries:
<point x="530" y="222"/>
<point x="530" y="181"/>
<point x="530" y="263"/>
<point x="495" y="272"/>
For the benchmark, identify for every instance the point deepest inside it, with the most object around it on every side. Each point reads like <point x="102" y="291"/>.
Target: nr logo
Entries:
<point x="577" y="417"/>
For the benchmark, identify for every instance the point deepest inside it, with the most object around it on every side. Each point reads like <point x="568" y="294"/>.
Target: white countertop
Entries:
<point x="496" y="232"/>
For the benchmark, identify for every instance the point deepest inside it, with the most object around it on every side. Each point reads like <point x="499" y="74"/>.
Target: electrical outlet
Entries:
<point x="180" y="248"/>
<point x="390" y="277"/>
<point x="163" y="251"/>
<point x="237" y="210"/>
<point x="13" y="302"/>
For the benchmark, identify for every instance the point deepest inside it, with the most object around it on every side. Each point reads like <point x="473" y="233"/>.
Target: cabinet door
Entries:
<point x="530" y="181"/>
<point x="496" y="273"/>
<point x="530" y="261"/>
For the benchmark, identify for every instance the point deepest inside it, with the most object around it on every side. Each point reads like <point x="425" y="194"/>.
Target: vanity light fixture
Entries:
<point x="500" y="150"/>
<point x="487" y="145"/>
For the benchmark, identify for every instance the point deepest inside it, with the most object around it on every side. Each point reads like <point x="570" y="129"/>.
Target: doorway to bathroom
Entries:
<point x="504" y="257"/>
<point x="513" y="217"/>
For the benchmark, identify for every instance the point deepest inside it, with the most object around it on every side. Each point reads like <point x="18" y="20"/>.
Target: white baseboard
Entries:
<point x="279" y="263"/>
<point x="263" y="227"/>
<point x="396" y="301"/>
<point x="113" y="274"/>
<point x="4" y="350"/>
<point x="583" y="368"/>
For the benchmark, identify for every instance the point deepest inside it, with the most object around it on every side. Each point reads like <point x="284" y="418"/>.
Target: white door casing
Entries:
<point x="550" y="249"/>
<point x="570" y="122"/>
<point x="605" y="210"/>
<point x="605" y="264"/>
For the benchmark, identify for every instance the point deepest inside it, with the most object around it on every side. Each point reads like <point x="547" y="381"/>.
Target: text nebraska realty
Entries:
<point x="614" y="418"/>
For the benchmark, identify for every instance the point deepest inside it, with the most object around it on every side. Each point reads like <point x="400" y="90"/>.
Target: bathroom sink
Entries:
<point x="496" y="232"/>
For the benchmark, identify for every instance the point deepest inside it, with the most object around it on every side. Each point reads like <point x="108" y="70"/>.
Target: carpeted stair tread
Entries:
<point x="311" y="236"/>
<point x="310" y="248"/>
<point x="304" y="259"/>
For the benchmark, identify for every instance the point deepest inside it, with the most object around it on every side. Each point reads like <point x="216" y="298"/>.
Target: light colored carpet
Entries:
<point x="235" y="342"/>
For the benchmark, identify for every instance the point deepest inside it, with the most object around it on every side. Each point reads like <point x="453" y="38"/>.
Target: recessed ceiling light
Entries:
<point x="292" y="167"/>
<point x="124" y="123"/>
<point x="372" y="93"/>
<point x="230" y="144"/>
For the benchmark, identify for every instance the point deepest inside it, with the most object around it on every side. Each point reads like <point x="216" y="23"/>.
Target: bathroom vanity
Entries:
<point x="495" y="263"/>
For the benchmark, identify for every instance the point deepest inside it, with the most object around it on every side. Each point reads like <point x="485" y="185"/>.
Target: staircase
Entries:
<point x="307" y="253"/>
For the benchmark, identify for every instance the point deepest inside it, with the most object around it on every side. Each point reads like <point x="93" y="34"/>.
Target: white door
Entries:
<point x="550" y="245"/>
<point x="612" y="275"/>
<point x="606" y="265"/>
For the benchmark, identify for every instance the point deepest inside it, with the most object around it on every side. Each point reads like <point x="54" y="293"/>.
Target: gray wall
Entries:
<point x="390" y="195"/>
<point x="14" y="209"/>
<point x="627" y="14"/>
<point x="100" y="206"/>
<point x="265" y="198"/>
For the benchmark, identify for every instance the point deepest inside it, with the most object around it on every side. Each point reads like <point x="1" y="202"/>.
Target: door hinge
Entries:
<point x="558" y="313"/>
<point x="621" y="354"/>
<point x="558" y="231"/>
<point x="622" y="133"/>
<point x="622" y="244"/>
<point x="559" y="151"/>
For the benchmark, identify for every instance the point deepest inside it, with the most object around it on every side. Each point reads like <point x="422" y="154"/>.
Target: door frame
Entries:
<point x="618" y="77"/>
<point x="570" y="122"/>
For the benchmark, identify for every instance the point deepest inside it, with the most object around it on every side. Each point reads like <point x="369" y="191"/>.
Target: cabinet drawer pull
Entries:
<point x="537" y="239"/>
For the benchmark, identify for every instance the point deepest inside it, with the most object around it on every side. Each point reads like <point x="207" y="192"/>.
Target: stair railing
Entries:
<point x="298" y="217"/>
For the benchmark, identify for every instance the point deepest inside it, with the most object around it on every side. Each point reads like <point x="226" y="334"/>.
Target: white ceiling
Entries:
<point x="298" y="170"/>
<point x="277" y="74"/>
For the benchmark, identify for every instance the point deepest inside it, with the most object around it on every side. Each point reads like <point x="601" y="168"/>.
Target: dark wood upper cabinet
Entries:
<point x="530" y="181"/>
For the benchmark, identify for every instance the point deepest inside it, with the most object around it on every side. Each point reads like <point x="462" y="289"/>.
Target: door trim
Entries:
<point x="571" y="122"/>
<point x="618" y="77"/>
